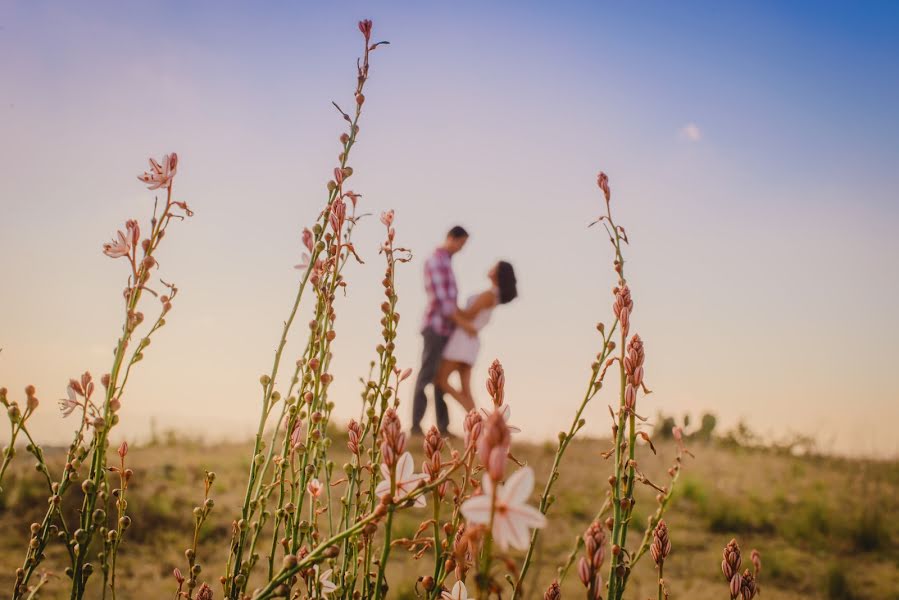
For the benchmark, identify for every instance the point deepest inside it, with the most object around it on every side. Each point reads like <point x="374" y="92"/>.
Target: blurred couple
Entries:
<point x="452" y="335"/>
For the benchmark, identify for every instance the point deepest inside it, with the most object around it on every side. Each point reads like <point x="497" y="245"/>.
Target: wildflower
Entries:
<point x="124" y="241"/>
<point x="307" y="239"/>
<point x="204" y="593"/>
<point x="365" y="28"/>
<point x="730" y="566"/>
<point x="355" y="436"/>
<point x="433" y="444"/>
<point x="324" y="580"/>
<point x="633" y="362"/>
<point x="512" y="516"/>
<point x="493" y="445"/>
<point x="338" y="214"/>
<point x="589" y="567"/>
<point x="602" y="180"/>
<point x="623" y="306"/>
<point x="68" y="404"/>
<point x="553" y="592"/>
<point x="160" y="175"/>
<point x="661" y="545"/>
<point x="296" y="436"/>
<point x="315" y="487"/>
<point x="458" y="592"/>
<point x="304" y="262"/>
<point x="496" y="382"/>
<point x="387" y="217"/>
<point x="748" y="586"/>
<point x="472" y="426"/>
<point x="178" y="576"/>
<point x="353" y="196"/>
<point x="756" y="558"/>
<point x="406" y="480"/>
<point x="123" y="449"/>
<point x="393" y="440"/>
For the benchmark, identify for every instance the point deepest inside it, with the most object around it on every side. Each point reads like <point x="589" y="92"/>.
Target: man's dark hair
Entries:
<point x="457" y="232"/>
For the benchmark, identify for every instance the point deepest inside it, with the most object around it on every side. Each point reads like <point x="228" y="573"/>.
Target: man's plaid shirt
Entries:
<point x="440" y="286"/>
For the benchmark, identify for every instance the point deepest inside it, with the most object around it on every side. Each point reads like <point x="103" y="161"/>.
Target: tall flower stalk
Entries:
<point x="327" y="249"/>
<point x="97" y="418"/>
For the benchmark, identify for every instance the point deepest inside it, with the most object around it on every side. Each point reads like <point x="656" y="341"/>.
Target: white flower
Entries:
<point x="513" y="518"/>
<point x="328" y="586"/>
<point x="459" y="592"/>
<point x="69" y="404"/>
<point x="406" y="480"/>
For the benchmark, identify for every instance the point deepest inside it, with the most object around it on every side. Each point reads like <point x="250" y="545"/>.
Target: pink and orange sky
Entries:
<point x="752" y="151"/>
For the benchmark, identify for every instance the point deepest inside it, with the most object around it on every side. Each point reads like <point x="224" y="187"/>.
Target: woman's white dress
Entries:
<point x="463" y="347"/>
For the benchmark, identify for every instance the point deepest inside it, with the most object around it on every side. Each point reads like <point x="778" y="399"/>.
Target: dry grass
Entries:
<point x="824" y="525"/>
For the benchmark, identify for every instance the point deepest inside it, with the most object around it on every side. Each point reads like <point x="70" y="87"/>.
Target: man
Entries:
<point x="439" y="321"/>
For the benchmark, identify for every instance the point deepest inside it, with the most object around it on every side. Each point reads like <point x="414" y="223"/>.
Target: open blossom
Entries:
<point x="315" y="487"/>
<point x="457" y="593"/>
<point x="307" y="239"/>
<point x="68" y="404"/>
<point x="160" y="175"/>
<point x="324" y="580"/>
<point x="123" y="242"/>
<point x="513" y="518"/>
<point x="406" y="480"/>
<point x="387" y="217"/>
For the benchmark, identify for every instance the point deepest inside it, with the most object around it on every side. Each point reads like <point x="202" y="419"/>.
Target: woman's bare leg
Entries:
<point x="467" y="399"/>
<point x="446" y="368"/>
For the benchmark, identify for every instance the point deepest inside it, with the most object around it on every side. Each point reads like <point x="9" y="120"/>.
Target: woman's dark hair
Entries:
<point x="505" y="278"/>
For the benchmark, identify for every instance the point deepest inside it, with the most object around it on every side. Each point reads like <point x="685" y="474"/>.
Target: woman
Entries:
<point x="461" y="350"/>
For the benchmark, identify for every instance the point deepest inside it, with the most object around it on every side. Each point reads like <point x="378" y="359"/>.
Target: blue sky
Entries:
<point x="753" y="152"/>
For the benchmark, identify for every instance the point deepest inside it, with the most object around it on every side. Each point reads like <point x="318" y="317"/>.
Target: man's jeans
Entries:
<point x="430" y="360"/>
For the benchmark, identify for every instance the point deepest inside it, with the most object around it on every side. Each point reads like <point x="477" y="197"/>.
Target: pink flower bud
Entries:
<point x="602" y="180"/>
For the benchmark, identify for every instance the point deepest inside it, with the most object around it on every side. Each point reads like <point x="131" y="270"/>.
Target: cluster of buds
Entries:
<point x="589" y="567"/>
<point x="393" y="440"/>
<point x="742" y="586"/>
<point x="496" y="383"/>
<point x="472" y="427"/>
<point x="12" y="407"/>
<point x="354" y="435"/>
<point x="553" y="592"/>
<point x="464" y="548"/>
<point x="433" y="445"/>
<point x="623" y="307"/>
<point x="493" y="445"/>
<point x="633" y="367"/>
<point x="661" y="545"/>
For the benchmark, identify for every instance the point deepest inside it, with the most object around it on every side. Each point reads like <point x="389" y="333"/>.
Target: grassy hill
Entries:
<point x="826" y="527"/>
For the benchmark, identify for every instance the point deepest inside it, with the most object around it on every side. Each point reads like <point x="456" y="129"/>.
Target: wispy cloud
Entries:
<point x="691" y="132"/>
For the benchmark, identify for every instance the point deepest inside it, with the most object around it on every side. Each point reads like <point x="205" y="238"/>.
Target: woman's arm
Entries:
<point x="463" y="323"/>
<point x="484" y="301"/>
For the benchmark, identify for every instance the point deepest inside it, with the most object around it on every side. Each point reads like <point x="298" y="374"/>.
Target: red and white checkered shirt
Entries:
<point x="440" y="286"/>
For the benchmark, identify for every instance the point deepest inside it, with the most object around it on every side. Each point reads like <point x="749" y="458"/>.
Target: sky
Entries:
<point x="752" y="148"/>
